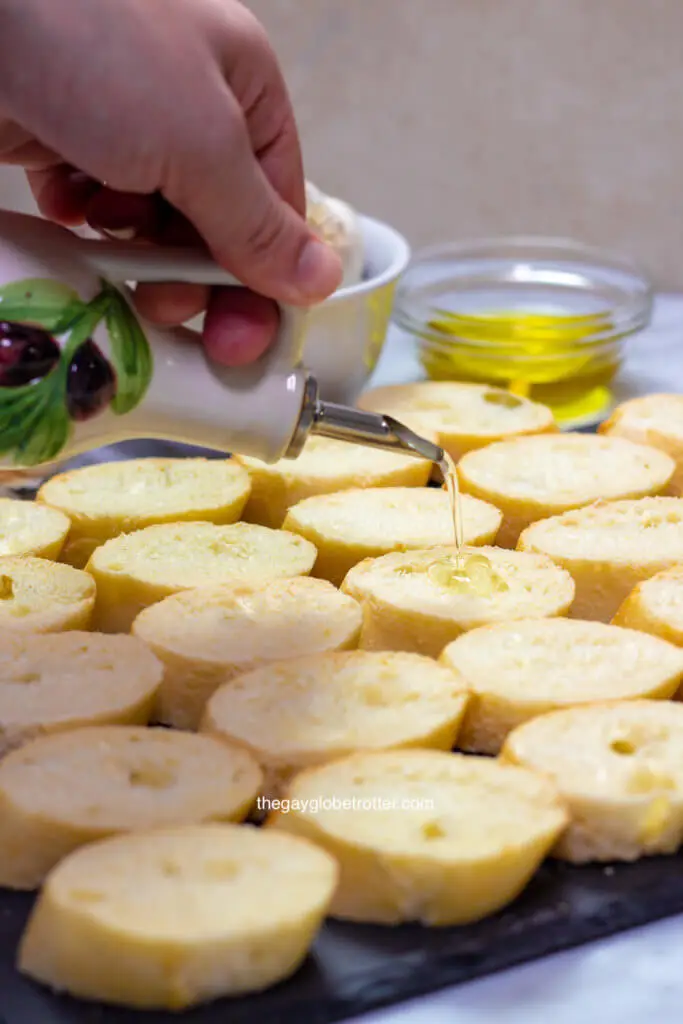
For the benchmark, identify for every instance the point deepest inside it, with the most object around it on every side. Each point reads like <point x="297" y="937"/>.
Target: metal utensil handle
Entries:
<point x="124" y="261"/>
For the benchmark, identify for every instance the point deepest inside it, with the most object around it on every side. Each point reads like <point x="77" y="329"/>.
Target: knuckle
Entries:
<point x="200" y="143"/>
<point x="252" y="33"/>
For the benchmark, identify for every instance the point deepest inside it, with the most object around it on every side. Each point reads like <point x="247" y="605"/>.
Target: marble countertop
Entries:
<point x="636" y="976"/>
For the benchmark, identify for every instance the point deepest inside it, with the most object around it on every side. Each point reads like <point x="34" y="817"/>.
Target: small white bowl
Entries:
<point x="346" y="333"/>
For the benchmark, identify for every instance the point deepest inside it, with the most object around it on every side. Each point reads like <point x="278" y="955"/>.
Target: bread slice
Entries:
<point x="27" y="528"/>
<point x="519" y="670"/>
<point x="309" y="710"/>
<point x="58" y="681"/>
<point x="353" y="525"/>
<point x="137" y="569"/>
<point x="60" y="792"/>
<point x="531" y="478"/>
<point x="609" y="548"/>
<point x="324" y="467"/>
<point x="406" y="606"/>
<point x="656" y="420"/>
<point x="426" y="836"/>
<point x="110" y="498"/>
<point x="463" y="416"/>
<point x="656" y="606"/>
<point x="206" y="637"/>
<point x="41" y="596"/>
<point x="168" y="919"/>
<point x="619" y="768"/>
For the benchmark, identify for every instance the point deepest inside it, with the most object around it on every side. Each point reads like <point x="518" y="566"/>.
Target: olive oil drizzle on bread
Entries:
<point x="465" y="573"/>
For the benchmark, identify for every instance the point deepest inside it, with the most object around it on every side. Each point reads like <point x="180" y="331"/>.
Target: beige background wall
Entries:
<point x="459" y="118"/>
<point x="455" y="118"/>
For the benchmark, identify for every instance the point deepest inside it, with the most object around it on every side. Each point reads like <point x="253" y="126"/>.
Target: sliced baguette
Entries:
<point x="324" y="467"/>
<point x="310" y="710"/>
<point x="609" y="548"/>
<point x="619" y="767"/>
<point x="27" y="528"/>
<point x="41" y="596"/>
<point x="111" y="498"/>
<point x="656" y="420"/>
<point x="518" y="670"/>
<point x="406" y="608"/>
<point x="172" y="918"/>
<point x="137" y="569"/>
<point x="353" y="525"/>
<point x="57" y="681"/>
<point x="206" y="637"/>
<point x="531" y="478"/>
<point x="438" y="838"/>
<point x="60" y="792"/>
<point x="463" y="416"/>
<point x="656" y="606"/>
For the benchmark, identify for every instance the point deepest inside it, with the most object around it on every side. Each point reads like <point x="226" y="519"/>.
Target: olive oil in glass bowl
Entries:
<point x="546" y="319"/>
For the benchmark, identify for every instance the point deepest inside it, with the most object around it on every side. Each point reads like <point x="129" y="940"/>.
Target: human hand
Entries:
<point x="169" y="121"/>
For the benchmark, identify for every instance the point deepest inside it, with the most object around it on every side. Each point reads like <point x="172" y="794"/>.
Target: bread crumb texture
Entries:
<point x="439" y="838"/>
<point x="310" y="710"/>
<point x="110" y="498"/>
<point x="619" y="769"/>
<point x="60" y="792"/>
<point x="656" y="606"/>
<point x="353" y="525"/>
<point x="168" y="919"/>
<point x="406" y="607"/>
<point x="206" y="637"/>
<point x="609" y="548"/>
<point x="516" y="671"/>
<point x="324" y="467"/>
<point x="655" y="420"/>
<point x="27" y="528"/>
<point x="137" y="569"/>
<point x="531" y="478"/>
<point x="41" y="596"/>
<point x="56" y="681"/>
<point x="463" y="416"/>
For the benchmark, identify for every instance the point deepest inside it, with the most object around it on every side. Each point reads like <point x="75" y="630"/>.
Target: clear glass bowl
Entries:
<point x="545" y="318"/>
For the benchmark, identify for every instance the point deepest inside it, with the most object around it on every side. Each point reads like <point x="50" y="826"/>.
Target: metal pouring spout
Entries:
<point x="344" y="423"/>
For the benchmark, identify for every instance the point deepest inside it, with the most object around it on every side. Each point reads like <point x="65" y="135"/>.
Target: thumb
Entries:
<point x="249" y="228"/>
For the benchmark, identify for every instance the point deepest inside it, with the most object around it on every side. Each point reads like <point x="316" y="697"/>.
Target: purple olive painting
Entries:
<point x="52" y="372"/>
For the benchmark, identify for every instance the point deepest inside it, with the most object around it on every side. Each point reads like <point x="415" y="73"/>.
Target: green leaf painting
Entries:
<point x="52" y="373"/>
<point x="45" y="303"/>
<point x="130" y="353"/>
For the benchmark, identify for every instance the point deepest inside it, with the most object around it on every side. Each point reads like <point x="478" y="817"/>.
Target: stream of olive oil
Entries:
<point x="450" y="479"/>
<point x="462" y="573"/>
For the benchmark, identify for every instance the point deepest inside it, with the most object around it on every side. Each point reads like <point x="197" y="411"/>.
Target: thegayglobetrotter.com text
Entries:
<point x="314" y="805"/>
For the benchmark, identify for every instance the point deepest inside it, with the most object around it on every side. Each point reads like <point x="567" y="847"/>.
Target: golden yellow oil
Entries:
<point x="462" y="573"/>
<point x="564" y="361"/>
<point x="449" y="475"/>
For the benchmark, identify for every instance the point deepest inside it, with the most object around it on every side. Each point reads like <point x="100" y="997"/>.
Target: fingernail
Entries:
<point x="319" y="271"/>
<point x="119" y="234"/>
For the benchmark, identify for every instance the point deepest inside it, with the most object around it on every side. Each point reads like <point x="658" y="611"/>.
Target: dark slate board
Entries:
<point x="355" y="969"/>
